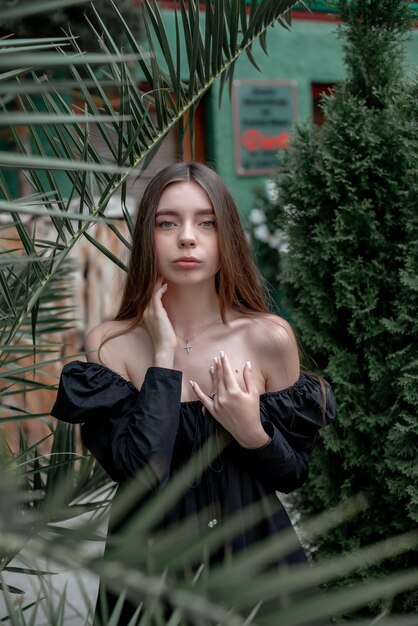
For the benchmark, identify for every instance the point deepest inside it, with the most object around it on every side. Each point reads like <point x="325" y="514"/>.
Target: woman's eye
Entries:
<point x="166" y="224"/>
<point x="209" y="224"/>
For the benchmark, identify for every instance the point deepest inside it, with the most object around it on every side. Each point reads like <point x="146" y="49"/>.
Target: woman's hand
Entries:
<point x="159" y="327"/>
<point x="238" y="411"/>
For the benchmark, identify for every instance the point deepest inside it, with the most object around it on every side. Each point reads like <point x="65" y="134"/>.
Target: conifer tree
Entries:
<point x="348" y="203"/>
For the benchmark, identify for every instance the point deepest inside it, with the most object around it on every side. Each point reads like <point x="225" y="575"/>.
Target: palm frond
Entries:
<point x="150" y="577"/>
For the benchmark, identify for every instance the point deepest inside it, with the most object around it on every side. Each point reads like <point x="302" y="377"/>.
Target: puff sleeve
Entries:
<point x="292" y="418"/>
<point x="126" y="430"/>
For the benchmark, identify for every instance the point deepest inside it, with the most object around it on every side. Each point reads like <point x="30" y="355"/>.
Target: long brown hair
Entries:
<point x="238" y="283"/>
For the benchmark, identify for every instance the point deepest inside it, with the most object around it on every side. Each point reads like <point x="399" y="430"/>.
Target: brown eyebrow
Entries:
<point x="173" y="212"/>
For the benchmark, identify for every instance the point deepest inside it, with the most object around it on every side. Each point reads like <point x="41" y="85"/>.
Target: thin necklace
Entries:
<point x="187" y="344"/>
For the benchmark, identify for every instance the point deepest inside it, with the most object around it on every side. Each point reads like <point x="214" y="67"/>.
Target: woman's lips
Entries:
<point x="187" y="263"/>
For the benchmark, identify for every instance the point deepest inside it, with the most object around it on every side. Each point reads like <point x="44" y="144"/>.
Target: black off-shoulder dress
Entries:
<point x="128" y="429"/>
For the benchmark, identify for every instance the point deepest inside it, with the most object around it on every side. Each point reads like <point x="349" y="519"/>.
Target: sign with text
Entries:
<point x="264" y="112"/>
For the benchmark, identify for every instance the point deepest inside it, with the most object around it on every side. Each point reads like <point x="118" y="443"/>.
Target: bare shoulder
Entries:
<point x="277" y="349"/>
<point x="112" y="344"/>
<point x="108" y="332"/>
<point x="272" y="332"/>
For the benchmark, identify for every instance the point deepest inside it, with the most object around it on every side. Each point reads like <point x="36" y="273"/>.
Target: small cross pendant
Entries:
<point x="188" y="346"/>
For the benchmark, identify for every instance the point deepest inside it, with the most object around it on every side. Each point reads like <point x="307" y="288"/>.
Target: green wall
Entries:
<point x="309" y="53"/>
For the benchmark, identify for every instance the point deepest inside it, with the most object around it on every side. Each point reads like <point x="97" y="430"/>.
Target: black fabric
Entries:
<point x="127" y="430"/>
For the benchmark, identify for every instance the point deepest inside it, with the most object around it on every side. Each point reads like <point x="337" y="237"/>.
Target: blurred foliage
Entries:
<point x="52" y="509"/>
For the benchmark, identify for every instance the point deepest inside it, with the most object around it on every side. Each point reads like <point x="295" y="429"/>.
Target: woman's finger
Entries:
<point x="219" y="376"/>
<point x="156" y="300"/>
<point x="228" y="375"/>
<point x="215" y="388"/>
<point x="205" y="400"/>
<point x="159" y="290"/>
<point x="214" y="369"/>
<point x="158" y="284"/>
<point x="248" y="377"/>
<point x="213" y="377"/>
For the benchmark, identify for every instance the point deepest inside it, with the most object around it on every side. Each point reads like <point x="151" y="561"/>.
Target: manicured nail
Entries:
<point x="212" y="369"/>
<point x="249" y="365"/>
<point x="222" y="354"/>
<point x="215" y="359"/>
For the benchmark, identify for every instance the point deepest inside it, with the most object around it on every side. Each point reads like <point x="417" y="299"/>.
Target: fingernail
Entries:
<point x="191" y="382"/>
<point x="222" y="354"/>
<point x="215" y="359"/>
<point x="212" y="369"/>
<point x="249" y="365"/>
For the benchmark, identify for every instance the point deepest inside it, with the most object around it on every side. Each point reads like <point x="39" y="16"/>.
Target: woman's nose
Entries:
<point x="187" y="237"/>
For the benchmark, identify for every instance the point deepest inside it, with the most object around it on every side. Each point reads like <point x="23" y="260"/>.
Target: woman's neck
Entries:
<point x="190" y="308"/>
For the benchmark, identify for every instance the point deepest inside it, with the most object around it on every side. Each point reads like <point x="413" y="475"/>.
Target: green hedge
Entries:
<point x="348" y="204"/>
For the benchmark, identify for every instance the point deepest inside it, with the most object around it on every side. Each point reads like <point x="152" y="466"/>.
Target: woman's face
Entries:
<point x="186" y="238"/>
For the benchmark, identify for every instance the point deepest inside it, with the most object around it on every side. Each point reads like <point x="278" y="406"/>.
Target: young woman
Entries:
<point x="193" y="352"/>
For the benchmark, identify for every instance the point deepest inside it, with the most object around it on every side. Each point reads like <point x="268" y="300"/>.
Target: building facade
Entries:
<point x="306" y="60"/>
